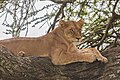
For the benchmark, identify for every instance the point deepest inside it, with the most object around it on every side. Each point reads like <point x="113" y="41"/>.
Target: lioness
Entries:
<point x="58" y="45"/>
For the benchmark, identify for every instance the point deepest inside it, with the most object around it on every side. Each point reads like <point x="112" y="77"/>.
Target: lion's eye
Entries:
<point x="72" y="31"/>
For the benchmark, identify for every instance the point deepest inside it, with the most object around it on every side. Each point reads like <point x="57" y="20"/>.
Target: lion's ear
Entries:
<point x="80" y="22"/>
<point x="62" y="23"/>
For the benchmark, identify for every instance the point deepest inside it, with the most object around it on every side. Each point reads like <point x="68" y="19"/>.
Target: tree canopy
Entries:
<point x="102" y="18"/>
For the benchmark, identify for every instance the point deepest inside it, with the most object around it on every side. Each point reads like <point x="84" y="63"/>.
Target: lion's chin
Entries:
<point x="76" y="43"/>
<point x="74" y="40"/>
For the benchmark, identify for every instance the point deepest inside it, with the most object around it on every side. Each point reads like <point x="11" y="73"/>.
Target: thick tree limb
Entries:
<point x="36" y="68"/>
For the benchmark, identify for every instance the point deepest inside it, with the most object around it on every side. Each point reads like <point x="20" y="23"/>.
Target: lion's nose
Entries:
<point x="78" y="38"/>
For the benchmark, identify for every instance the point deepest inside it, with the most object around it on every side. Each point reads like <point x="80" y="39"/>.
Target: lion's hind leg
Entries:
<point x="21" y="54"/>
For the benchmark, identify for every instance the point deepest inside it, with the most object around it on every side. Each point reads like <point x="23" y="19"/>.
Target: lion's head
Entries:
<point x="72" y="29"/>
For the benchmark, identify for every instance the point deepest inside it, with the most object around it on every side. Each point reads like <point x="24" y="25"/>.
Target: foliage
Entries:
<point x="102" y="18"/>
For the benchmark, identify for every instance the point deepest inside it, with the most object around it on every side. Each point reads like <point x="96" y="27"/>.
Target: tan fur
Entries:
<point x="57" y="45"/>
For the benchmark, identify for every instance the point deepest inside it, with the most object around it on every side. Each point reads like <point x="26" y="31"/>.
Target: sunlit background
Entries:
<point x="32" y="31"/>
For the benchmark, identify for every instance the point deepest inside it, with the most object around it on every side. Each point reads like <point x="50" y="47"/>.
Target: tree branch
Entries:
<point x="61" y="11"/>
<point x="62" y="1"/>
<point x="112" y="19"/>
<point x="82" y="6"/>
<point x="37" y="68"/>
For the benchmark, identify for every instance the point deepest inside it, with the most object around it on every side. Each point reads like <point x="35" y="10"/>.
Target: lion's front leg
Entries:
<point x="62" y="58"/>
<point x="94" y="52"/>
<point x="84" y="55"/>
<point x="99" y="55"/>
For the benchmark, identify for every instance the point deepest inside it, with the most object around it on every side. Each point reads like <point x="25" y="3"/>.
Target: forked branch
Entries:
<point x="112" y="19"/>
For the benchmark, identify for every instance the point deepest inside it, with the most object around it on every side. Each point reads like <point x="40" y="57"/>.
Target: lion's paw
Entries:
<point x="103" y="59"/>
<point x="21" y="54"/>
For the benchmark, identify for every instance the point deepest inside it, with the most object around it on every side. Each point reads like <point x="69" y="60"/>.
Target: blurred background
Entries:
<point x="34" y="18"/>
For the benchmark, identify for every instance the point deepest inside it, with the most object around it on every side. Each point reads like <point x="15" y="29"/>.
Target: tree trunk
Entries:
<point x="37" y="68"/>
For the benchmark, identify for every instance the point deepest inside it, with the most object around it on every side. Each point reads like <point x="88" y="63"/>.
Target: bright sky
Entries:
<point x="33" y="32"/>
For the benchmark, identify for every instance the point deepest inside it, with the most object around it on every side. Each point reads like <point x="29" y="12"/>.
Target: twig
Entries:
<point x="62" y="1"/>
<point x="82" y="6"/>
<point x="109" y="24"/>
<point x="56" y="17"/>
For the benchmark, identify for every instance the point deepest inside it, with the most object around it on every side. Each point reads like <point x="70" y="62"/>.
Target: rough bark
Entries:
<point x="37" y="68"/>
